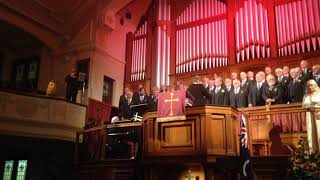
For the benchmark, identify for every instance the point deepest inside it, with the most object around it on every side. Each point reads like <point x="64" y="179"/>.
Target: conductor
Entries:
<point x="197" y="92"/>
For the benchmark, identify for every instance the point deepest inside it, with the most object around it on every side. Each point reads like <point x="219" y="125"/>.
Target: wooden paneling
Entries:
<point x="206" y="130"/>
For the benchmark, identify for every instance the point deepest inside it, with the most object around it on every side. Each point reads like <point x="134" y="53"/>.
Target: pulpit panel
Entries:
<point x="215" y="135"/>
<point x="176" y="137"/>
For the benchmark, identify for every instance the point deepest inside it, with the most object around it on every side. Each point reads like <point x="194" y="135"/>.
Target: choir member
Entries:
<point x="211" y="90"/>
<point x="162" y="88"/>
<point x="268" y="70"/>
<point x="316" y="73"/>
<point x="250" y="75"/>
<point x="205" y="83"/>
<point x="238" y="97"/>
<point x="141" y="100"/>
<point x="123" y="97"/>
<point x="245" y="82"/>
<point x="256" y="89"/>
<point x="196" y="92"/>
<point x="283" y="81"/>
<point x="272" y="92"/>
<point x="143" y="97"/>
<point x="295" y="87"/>
<point x="219" y="94"/>
<point x="125" y="108"/>
<point x="228" y="84"/>
<point x="153" y="99"/>
<point x="136" y="94"/>
<point x="286" y="71"/>
<point x="234" y="76"/>
<point x="306" y="73"/>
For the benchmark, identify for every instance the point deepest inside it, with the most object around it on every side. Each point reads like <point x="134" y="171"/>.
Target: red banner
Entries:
<point x="171" y="104"/>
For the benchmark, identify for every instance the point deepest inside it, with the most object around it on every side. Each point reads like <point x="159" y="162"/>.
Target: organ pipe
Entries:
<point x="297" y="27"/>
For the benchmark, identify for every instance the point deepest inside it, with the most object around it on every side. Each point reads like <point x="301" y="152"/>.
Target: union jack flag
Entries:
<point x="245" y="156"/>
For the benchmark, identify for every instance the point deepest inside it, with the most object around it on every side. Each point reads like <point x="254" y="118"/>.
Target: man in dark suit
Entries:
<point x="125" y="105"/>
<point x="306" y="72"/>
<point x="316" y="73"/>
<point x="142" y="99"/>
<point x="136" y="94"/>
<point x="256" y="89"/>
<point x="228" y="86"/>
<point x="123" y="97"/>
<point x="210" y="90"/>
<point x="245" y="82"/>
<point x="295" y="87"/>
<point x="272" y="92"/>
<point x="238" y="96"/>
<point x="153" y="99"/>
<point x="197" y="92"/>
<point x="283" y="81"/>
<point x="219" y="94"/>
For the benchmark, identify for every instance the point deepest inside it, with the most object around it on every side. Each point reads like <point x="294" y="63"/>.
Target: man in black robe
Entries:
<point x="219" y="93"/>
<point x="197" y="93"/>
<point x="272" y="92"/>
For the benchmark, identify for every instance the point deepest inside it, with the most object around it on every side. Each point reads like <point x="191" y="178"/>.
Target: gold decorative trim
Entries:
<point x="168" y="119"/>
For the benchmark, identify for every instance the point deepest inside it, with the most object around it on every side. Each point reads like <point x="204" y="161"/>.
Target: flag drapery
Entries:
<point x="245" y="156"/>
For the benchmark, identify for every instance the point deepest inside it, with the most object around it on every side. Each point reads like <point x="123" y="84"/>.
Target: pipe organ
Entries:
<point x="298" y="27"/>
<point x="163" y="43"/>
<point x="251" y="30"/>
<point x="201" y="44"/>
<point x="139" y="47"/>
<point x="207" y="35"/>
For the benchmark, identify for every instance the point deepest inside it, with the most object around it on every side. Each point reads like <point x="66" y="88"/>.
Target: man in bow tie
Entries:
<point x="272" y="92"/>
<point x="316" y="73"/>
<point x="125" y="104"/>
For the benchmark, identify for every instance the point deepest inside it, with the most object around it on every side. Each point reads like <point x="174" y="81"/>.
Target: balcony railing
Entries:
<point x="40" y="116"/>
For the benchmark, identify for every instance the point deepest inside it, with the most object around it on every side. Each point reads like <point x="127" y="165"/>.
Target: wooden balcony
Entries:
<point x="40" y="116"/>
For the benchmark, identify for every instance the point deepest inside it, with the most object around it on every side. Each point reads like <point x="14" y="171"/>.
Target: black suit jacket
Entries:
<point x="198" y="94"/>
<point x="315" y="78"/>
<point x="238" y="100"/>
<point x="124" y="108"/>
<point x="284" y="85"/>
<point x="220" y="98"/>
<point x="152" y="103"/>
<point x="276" y="93"/>
<point x="306" y="76"/>
<point x="255" y="95"/>
<point x="295" y="91"/>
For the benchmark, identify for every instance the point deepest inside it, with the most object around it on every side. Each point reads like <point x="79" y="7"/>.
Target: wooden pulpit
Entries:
<point x="207" y="131"/>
